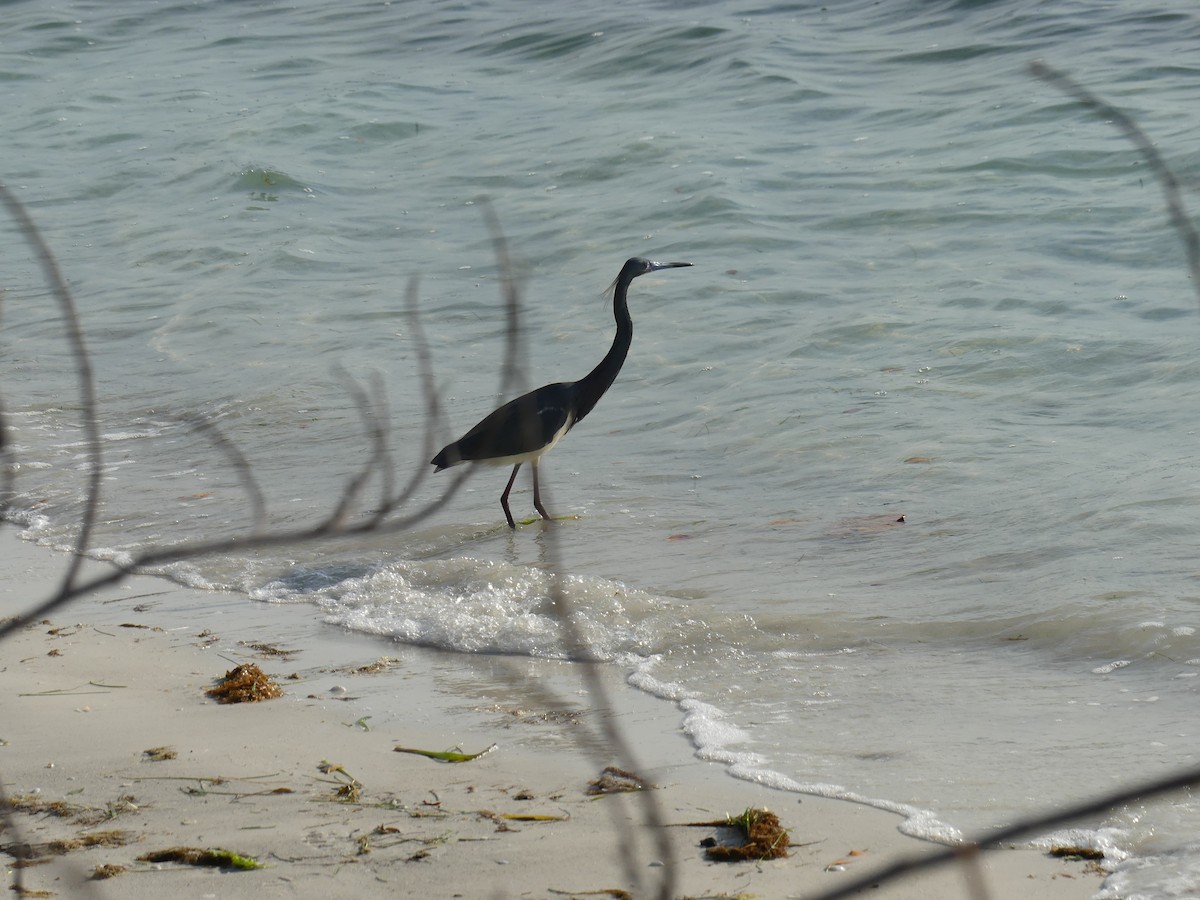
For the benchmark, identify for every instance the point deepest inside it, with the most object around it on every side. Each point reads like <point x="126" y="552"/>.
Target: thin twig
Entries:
<point x="241" y="467"/>
<point x="512" y="372"/>
<point x="370" y="409"/>
<point x="1024" y="828"/>
<point x="580" y="651"/>
<point x="383" y="423"/>
<point x="1162" y="172"/>
<point x="83" y="369"/>
<point x="433" y="407"/>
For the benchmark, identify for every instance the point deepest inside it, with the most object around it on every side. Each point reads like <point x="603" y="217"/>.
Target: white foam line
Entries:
<point x="710" y="734"/>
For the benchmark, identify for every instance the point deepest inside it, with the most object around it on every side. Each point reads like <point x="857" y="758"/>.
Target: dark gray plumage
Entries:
<point x="523" y="429"/>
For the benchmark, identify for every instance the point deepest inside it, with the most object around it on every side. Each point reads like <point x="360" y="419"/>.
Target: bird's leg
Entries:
<point x="504" y="496"/>
<point x="537" y="495"/>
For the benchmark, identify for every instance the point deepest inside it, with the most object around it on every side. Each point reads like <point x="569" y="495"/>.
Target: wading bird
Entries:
<point x="523" y="429"/>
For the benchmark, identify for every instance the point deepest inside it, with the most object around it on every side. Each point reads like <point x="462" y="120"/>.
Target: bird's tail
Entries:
<point x="446" y="458"/>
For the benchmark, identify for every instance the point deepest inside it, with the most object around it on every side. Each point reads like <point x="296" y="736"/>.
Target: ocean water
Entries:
<point x="924" y="284"/>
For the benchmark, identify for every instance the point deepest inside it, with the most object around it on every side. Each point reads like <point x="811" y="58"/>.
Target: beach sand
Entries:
<point x="85" y="692"/>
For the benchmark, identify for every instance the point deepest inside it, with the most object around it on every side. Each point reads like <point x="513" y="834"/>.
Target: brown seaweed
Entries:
<point x="246" y="683"/>
<point x="763" y="837"/>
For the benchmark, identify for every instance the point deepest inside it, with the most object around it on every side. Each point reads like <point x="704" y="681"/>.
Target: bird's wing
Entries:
<point x="527" y="425"/>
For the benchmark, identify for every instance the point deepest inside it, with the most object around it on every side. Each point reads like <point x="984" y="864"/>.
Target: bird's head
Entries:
<point x="638" y="266"/>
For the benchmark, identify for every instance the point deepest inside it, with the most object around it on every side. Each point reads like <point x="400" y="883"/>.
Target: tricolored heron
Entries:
<point x="523" y="429"/>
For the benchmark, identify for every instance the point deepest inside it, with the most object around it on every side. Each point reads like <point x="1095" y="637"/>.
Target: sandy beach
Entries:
<point x="112" y="753"/>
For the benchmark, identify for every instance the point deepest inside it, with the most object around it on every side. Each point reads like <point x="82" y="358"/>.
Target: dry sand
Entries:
<point x="84" y="695"/>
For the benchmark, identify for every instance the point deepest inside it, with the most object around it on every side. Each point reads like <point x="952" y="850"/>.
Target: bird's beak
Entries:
<point x="655" y="266"/>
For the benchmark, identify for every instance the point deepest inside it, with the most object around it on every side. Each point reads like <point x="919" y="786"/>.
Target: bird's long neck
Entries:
<point x="593" y="385"/>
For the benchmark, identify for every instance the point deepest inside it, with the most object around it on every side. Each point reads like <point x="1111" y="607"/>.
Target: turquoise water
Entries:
<point x="924" y="284"/>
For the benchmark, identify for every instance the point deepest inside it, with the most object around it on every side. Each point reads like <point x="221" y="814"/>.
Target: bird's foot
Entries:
<point x="532" y="519"/>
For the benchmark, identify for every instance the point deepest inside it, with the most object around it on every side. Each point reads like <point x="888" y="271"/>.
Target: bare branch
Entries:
<point x="8" y="461"/>
<point x="1024" y="828"/>
<point x="8" y="466"/>
<point x="83" y="368"/>
<point x="373" y="417"/>
<point x="580" y="651"/>
<point x="241" y="466"/>
<point x="1162" y="172"/>
<point x="433" y="407"/>
<point x="236" y="544"/>
<point x="382" y="425"/>
<point x="511" y="372"/>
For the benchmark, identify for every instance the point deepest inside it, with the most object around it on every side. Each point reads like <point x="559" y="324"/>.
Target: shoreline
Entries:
<point x="124" y="671"/>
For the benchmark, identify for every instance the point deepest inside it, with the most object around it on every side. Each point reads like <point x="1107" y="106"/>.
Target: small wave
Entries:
<point x="1164" y="875"/>
<point x="478" y="606"/>
<point x="715" y="738"/>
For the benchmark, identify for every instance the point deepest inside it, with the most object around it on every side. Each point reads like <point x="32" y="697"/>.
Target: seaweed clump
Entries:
<point x="613" y="780"/>
<point x="1073" y="852"/>
<point x="763" y="838"/>
<point x="246" y="683"/>
<point x="107" y="870"/>
<point x="28" y="854"/>
<point x="195" y="856"/>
